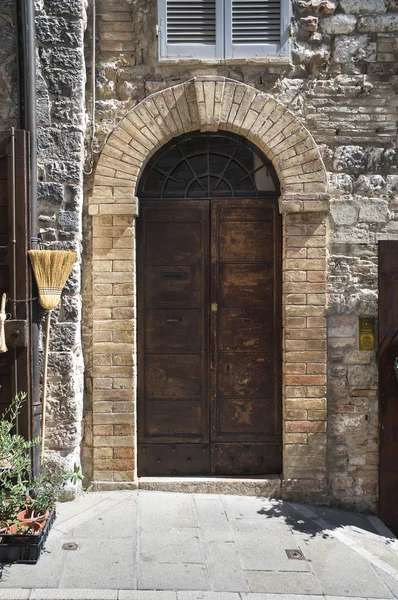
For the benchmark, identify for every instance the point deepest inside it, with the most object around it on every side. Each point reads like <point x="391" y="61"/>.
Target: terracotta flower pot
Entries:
<point x="24" y="518"/>
<point x="13" y="529"/>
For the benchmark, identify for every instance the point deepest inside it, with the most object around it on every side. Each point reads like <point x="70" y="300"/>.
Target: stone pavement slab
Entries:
<point x="163" y="509"/>
<point x="283" y="583"/>
<point x="212" y="519"/>
<point x="146" y="545"/>
<point x="340" y="570"/>
<point x="84" y="594"/>
<point x="146" y="595"/>
<point x="391" y="583"/>
<point x="225" y="567"/>
<point x="247" y="507"/>
<point x="100" y="563"/>
<point x="268" y="552"/>
<point x="65" y="594"/>
<point x="171" y="576"/>
<point x="165" y="545"/>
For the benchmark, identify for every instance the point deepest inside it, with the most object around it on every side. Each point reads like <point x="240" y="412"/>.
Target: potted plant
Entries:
<point x="27" y="505"/>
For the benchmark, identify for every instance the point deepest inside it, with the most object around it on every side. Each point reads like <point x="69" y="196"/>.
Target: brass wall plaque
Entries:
<point x="366" y="333"/>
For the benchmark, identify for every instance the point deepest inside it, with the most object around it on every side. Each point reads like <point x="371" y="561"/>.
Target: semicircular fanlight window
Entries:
<point x="208" y="165"/>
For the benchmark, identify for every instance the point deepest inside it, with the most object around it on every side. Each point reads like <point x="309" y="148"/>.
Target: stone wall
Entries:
<point x="341" y="83"/>
<point x="60" y="29"/>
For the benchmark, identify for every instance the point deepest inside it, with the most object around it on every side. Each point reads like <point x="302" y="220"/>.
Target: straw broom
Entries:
<point x="51" y="268"/>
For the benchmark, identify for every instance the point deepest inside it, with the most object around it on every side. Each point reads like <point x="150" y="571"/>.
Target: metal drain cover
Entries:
<point x="295" y="554"/>
<point x="70" y="546"/>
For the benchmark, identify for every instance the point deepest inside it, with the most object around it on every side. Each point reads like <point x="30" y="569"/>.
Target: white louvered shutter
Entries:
<point x="220" y="29"/>
<point x="190" y="28"/>
<point x="256" y="28"/>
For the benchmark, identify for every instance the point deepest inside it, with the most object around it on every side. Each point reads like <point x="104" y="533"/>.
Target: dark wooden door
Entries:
<point x="388" y="384"/>
<point x="209" y="337"/>
<point x="14" y="281"/>
<point x="246" y="360"/>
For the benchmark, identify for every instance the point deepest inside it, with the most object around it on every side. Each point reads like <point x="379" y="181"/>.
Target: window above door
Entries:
<point x="223" y="29"/>
<point x="208" y="165"/>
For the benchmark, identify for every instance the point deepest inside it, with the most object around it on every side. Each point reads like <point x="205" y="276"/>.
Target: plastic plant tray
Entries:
<point x="24" y="549"/>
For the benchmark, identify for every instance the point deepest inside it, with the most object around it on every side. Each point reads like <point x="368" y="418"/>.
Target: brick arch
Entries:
<point x="210" y="104"/>
<point x="207" y="104"/>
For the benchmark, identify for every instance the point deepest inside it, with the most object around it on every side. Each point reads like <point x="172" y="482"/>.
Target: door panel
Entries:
<point x="246" y="415"/>
<point x="173" y="376"/>
<point x="173" y="338"/>
<point x="245" y="329"/>
<point x="182" y="418"/>
<point x="173" y="459"/>
<point x="388" y="384"/>
<point x="246" y="353"/>
<point x="174" y="244"/>
<point x="244" y="284"/>
<point x="199" y="416"/>
<point x="245" y="459"/>
<point x="176" y="287"/>
<point x="244" y="375"/>
<point x="173" y="330"/>
<point x="245" y="242"/>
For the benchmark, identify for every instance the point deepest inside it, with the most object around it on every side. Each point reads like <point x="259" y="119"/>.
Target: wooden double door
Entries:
<point x="209" y="329"/>
<point x="388" y="382"/>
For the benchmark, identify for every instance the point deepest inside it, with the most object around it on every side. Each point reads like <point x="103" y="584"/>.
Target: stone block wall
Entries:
<point x="342" y="84"/>
<point x="60" y="27"/>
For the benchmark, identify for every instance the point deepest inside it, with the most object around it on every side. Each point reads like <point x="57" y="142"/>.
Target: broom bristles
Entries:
<point x="51" y="268"/>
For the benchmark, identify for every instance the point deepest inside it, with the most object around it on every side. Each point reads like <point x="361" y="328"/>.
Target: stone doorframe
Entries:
<point x="207" y="104"/>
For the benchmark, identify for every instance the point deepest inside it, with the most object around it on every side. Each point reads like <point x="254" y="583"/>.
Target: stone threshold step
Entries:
<point x="256" y="486"/>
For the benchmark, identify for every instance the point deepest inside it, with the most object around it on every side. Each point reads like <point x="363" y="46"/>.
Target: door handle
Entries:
<point x="174" y="320"/>
<point x="246" y="319"/>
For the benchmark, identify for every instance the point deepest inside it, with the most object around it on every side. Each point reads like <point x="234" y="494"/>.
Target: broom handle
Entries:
<point x="44" y="393"/>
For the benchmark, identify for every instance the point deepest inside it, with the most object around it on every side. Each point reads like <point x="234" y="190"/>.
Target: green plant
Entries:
<point x="15" y="463"/>
<point x="19" y="491"/>
<point x="46" y="490"/>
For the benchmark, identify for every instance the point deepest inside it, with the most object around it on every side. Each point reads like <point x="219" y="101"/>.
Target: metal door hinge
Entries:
<point x="214" y="307"/>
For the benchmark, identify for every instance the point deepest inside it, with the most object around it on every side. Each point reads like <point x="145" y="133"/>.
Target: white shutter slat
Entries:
<point x="191" y="22"/>
<point x="190" y="29"/>
<point x="257" y="28"/>
<point x="268" y="21"/>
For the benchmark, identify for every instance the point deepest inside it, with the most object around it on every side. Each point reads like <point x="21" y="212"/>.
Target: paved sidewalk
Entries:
<point x="146" y="545"/>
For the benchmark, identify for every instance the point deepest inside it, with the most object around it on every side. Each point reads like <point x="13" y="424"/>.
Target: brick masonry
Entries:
<point x="210" y="103"/>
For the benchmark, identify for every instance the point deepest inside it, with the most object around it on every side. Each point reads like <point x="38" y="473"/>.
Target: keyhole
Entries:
<point x="228" y="368"/>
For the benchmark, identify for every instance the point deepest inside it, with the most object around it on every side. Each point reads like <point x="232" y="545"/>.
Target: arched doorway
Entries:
<point x="209" y="309"/>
